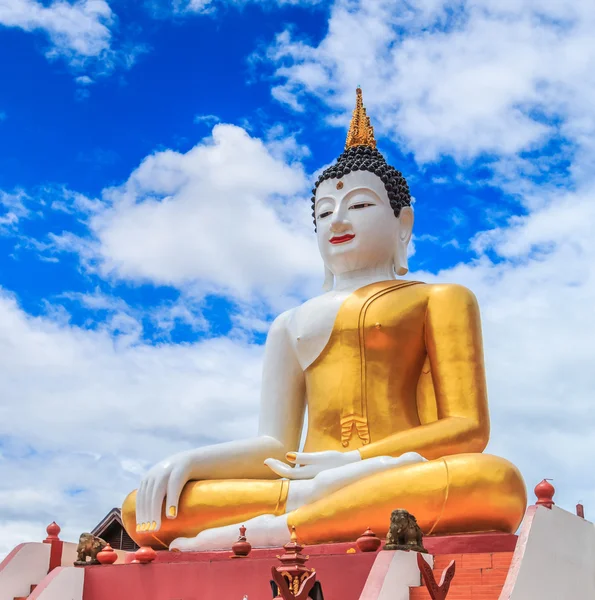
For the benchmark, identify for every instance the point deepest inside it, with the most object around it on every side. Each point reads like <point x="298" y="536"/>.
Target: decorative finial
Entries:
<point x="361" y="132"/>
<point x="145" y="555"/>
<point x="107" y="556"/>
<point x="242" y="547"/>
<point x="53" y="531"/>
<point x="545" y="493"/>
<point x="368" y="541"/>
<point x="293" y="534"/>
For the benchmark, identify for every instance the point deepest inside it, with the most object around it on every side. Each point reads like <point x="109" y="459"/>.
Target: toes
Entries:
<point x="412" y="457"/>
<point x="184" y="545"/>
<point x="180" y="545"/>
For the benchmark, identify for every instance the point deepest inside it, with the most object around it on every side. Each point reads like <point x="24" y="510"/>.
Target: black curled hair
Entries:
<point x="364" y="158"/>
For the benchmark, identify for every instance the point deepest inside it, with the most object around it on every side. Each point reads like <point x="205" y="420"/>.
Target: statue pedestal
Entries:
<point x="487" y="566"/>
<point x="343" y="571"/>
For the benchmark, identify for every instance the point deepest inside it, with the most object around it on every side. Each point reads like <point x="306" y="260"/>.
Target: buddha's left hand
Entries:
<point x="308" y="464"/>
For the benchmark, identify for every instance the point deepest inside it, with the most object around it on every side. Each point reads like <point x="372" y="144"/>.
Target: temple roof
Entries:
<point x="113" y="516"/>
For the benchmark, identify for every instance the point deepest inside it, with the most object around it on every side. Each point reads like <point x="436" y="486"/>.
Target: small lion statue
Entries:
<point x="404" y="532"/>
<point x="89" y="547"/>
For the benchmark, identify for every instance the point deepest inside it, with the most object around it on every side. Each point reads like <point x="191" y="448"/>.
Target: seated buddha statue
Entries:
<point x="391" y="373"/>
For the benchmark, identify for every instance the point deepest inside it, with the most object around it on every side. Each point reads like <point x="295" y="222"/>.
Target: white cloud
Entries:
<point x="12" y="209"/>
<point x="186" y="310"/>
<point x="84" y="80"/>
<point x="83" y="413"/>
<point x="75" y="29"/>
<point x="457" y="78"/>
<point x="78" y="31"/>
<point x="227" y="216"/>
<point x="117" y="317"/>
<point x="209" y="120"/>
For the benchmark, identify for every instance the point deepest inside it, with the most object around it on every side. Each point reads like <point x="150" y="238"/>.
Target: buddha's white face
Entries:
<point x="355" y="223"/>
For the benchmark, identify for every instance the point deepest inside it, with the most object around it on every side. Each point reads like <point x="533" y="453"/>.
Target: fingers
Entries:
<point x="145" y="520"/>
<point x="284" y="470"/>
<point x="156" y="498"/>
<point x="278" y="467"/>
<point x="177" y="480"/>
<point x="307" y="458"/>
<point x="140" y="505"/>
<point x="148" y="502"/>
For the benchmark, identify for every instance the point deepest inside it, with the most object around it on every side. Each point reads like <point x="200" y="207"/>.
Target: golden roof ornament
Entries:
<point x="360" y="133"/>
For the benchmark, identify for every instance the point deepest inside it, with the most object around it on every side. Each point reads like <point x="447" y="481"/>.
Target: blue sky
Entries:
<point x="155" y="168"/>
<point x="86" y="138"/>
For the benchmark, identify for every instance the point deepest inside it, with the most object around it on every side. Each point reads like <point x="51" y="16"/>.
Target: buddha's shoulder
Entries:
<point x="445" y="294"/>
<point x="311" y="316"/>
<point x="286" y="321"/>
<point x="294" y="317"/>
<point x="282" y="321"/>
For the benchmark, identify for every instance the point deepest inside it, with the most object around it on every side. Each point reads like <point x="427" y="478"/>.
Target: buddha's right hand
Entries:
<point x="163" y="481"/>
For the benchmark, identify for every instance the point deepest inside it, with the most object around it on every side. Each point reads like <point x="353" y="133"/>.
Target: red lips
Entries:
<point x="341" y="239"/>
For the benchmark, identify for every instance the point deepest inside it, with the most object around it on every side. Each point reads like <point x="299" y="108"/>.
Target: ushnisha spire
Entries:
<point x="361" y="132"/>
<point x="361" y="154"/>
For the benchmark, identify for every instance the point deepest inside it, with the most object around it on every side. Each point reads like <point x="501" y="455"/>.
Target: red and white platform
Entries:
<point x="553" y="558"/>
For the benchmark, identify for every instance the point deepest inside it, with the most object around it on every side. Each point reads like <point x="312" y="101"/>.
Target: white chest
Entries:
<point x="311" y="324"/>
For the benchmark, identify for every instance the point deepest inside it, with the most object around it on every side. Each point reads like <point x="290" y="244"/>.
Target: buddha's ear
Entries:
<point x="403" y="239"/>
<point x="329" y="280"/>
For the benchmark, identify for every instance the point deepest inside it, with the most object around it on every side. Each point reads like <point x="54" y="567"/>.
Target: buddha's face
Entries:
<point x="355" y="223"/>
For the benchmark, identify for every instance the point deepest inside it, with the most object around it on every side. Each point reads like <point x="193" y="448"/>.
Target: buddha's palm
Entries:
<point x="308" y="464"/>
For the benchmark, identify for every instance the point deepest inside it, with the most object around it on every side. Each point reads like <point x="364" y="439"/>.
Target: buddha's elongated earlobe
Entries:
<point x="329" y="280"/>
<point x="403" y="239"/>
<point x="401" y="265"/>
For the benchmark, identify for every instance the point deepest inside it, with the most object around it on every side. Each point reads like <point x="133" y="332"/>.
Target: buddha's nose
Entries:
<point x="339" y="224"/>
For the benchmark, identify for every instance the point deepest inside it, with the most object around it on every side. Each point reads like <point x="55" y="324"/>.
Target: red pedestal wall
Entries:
<point x="478" y="543"/>
<point x="216" y="576"/>
<point x="342" y="576"/>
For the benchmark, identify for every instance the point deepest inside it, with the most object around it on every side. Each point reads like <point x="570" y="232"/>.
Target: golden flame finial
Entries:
<point x="360" y="133"/>
<point x="293" y="534"/>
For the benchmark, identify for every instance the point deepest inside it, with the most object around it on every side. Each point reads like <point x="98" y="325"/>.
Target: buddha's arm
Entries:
<point x="283" y="395"/>
<point x="282" y="413"/>
<point x="454" y="347"/>
<point x="282" y="406"/>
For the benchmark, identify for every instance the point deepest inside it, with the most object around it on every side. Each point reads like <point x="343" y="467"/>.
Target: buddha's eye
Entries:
<point x="325" y="214"/>
<point x="361" y="205"/>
